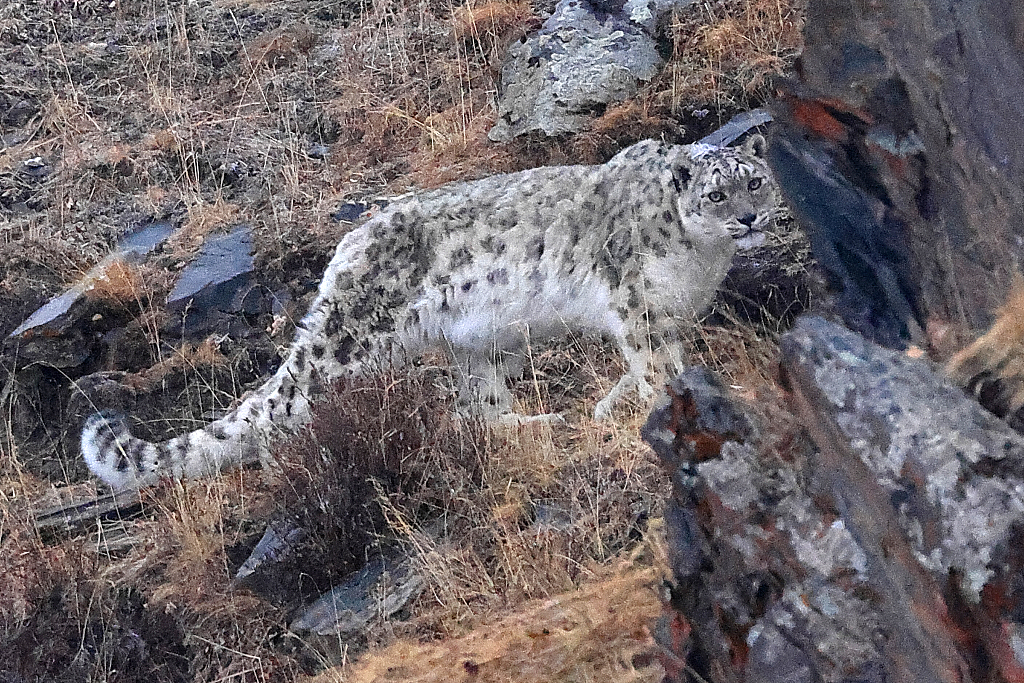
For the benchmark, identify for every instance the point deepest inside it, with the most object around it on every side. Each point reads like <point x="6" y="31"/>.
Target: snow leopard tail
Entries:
<point x="324" y="350"/>
<point x="125" y="461"/>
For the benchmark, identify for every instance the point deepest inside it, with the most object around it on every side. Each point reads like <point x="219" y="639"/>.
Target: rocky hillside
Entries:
<point x="290" y="119"/>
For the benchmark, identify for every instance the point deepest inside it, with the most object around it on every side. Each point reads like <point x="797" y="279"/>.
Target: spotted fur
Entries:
<point x="633" y="249"/>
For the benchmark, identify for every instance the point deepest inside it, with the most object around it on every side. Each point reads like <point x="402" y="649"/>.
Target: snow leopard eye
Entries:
<point x="716" y="196"/>
<point x="754" y="184"/>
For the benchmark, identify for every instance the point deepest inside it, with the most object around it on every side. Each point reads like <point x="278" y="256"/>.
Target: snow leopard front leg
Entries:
<point x="651" y="344"/>
<point x="638" y="359"/>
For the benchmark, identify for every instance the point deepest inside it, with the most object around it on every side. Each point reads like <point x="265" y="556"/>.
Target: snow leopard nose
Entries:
<point x="749" y="219"/>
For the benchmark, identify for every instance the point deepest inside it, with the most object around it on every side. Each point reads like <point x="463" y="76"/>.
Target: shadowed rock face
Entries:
<point x="900" y="150"/>
<point x="214" y="287"/>
<point x="882" y="548"/>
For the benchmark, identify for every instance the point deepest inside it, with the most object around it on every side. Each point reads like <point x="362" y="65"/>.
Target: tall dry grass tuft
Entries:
<point x="495" y="23"/>
<point x="726" y="54"/>
<point x="492" y="516"/>
<point x="385" y="440"/>
<point x="59" y="620"/>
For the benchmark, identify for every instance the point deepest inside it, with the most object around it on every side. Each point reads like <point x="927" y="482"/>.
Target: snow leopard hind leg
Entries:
<point x="355" y="324"/>
<point x="483" y="377"/>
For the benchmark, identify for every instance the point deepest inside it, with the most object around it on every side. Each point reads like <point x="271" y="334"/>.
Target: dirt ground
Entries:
<point x="215" y="113"/>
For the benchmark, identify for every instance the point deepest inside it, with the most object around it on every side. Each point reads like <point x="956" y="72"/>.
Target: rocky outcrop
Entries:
<point x="884" y="547"/>
<point x="585" y="57"/>
<point x="900" y="152"/>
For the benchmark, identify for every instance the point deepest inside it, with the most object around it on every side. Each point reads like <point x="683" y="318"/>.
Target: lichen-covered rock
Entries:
<point x="952" y="470"/>
<point x="885" y="547"/>
<point x="931" y="484"/>
<point x="769" y="585"/>
<point x="585" y="57"/>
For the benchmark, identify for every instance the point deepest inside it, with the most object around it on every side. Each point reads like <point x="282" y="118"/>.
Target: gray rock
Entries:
<point x="377" y="591"/>
<point x="647" y="13"/>
<point x="57" y="333"/>
<point x="884" y="547"/>
<point x="932" y="487"/>
<point x="585" y="57"/>
<point x="53" y="311"/>
<point x="139" y="243"/>
<point x="280" y="541"/>
<point x="926" y="446"/>
<point x="53" y="316"/>
<point x="216" y="283"/>
<point x="223" y="258"/>
<point x="756" y="563"/>
<point x="350" y="212"/>
<point x="737" y="126"/>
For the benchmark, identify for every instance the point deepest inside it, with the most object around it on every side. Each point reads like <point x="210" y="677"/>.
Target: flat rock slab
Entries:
<point x="54" y="317"/>
<point x="279" y="542"/>
<point x="60" y="332"/>
<point x="214" y="279"/>
<point x="378" y="590"/>
<point x="736" y="127"/>
<point x="142" y="241"/>
<point x="73" y="515"/>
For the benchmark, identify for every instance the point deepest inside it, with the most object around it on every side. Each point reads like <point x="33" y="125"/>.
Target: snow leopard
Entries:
<point x="632" y="249"/>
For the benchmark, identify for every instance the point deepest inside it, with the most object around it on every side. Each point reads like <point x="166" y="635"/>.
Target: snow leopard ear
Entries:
<point x="756" y="145"/>
<point x="681" y="178"/>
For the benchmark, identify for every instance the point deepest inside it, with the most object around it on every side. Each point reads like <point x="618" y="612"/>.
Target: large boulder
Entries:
<point x="884" y="547"/>
<point x="585" y="57"/>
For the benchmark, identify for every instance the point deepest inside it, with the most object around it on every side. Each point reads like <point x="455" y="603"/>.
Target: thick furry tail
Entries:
<point x="992" y="368"/>
<point x="114" y="455"/>
<point x="126" y="462"/>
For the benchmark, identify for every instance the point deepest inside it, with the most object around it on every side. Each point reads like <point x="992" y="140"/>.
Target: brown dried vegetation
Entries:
<point x="726" y="53"/>
<point x="600" y="632"/>
<point x="217" y="112"/>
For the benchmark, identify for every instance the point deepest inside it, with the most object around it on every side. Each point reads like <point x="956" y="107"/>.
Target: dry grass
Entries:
<point x="726" y="54"/>
<point x="494" y="23"/>
<point x="118" y="281"/>
<point x="524" y="512"/>
<point x="598" y="633"/>
<point x="220" y="112"/>
<point x="493" y="518"/>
